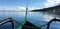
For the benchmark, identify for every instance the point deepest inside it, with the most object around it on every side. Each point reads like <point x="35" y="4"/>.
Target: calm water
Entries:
<point x="37" y="18"/>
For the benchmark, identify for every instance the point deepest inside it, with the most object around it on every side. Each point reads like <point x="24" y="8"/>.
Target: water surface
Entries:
<point x="37" y="18"/>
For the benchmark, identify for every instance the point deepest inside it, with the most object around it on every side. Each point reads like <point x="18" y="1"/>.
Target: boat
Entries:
<point x="29" y="25"/>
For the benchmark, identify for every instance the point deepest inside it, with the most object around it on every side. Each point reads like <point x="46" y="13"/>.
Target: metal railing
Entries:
<point x="13" y="25"/>
<point x="48" y="24"/>
<point x="8" y="20"/>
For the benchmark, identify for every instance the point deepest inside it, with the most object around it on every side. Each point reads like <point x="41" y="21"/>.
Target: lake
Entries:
<point x="37" y="18"/>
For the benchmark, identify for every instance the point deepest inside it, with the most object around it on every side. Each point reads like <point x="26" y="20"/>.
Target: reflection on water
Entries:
<point x="37" y="18"/>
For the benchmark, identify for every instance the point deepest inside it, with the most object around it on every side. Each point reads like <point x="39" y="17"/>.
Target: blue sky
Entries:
<point x="32" y="4"/>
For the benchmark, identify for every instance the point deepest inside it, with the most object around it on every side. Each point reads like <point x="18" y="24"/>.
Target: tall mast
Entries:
<point x="26" y="9"/>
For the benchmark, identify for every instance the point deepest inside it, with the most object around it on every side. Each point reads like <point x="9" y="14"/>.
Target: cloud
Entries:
<point x="51" y="3"/>
<point x="19" y="8"/>
<point x="32" y="8"/>
<point x="16" y="8"/>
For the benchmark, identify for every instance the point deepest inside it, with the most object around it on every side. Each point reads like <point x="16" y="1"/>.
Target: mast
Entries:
<point x="26" y="9"/>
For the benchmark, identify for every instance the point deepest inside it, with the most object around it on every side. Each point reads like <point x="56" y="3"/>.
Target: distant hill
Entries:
<point x="55" y="8"/>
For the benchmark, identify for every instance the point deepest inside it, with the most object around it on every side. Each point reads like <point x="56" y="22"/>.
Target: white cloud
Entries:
<point x="17" y="8"/>
<point x="32" y="8"/>
<point x="51" y="3"/>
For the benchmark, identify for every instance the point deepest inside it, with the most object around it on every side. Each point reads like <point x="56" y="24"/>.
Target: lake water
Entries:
<point x="37" y="18"/>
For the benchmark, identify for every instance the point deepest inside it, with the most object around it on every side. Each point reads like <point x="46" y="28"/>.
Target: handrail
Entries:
<point x="8" y="20"/>
<point x="13" y="25"/>
<point x="48" y="24"/>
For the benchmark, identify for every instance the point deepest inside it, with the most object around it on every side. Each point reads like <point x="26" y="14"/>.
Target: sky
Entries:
<point x="20" y="5"/>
